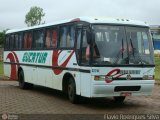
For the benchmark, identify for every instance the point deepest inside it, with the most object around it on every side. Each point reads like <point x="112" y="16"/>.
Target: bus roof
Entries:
<point x="94" y="20"/>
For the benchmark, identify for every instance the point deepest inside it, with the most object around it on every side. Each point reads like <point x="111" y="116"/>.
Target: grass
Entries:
<point x="1" y="68"/>
<point x="157" y="68"/>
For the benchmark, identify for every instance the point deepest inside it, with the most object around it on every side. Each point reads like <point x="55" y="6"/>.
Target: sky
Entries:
<point x="12" y="12"/>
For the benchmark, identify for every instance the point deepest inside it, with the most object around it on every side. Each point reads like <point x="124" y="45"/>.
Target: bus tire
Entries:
<point x="72" y="91"/>
<point x="22" y="83"/>
<point x="119" y="99"/>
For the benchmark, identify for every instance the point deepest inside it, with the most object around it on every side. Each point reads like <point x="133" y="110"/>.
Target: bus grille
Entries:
<point x="127" y="88"/>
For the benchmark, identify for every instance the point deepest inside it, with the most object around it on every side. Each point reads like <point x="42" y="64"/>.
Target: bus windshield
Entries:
<point x="122" y="45"/>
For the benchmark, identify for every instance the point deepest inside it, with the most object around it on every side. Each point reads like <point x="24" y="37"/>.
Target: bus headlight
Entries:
<point x="99" y="78"/>
<point x="107" y="79"/>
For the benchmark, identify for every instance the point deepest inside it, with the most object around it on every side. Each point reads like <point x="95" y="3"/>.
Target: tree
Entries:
<point x="34" y="16"/>
<point x="2" y="37"/>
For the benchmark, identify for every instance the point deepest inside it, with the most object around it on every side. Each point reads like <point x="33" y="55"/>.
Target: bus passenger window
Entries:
<point x="85" y="49"/>
<point x="7" y="42"/>
<point x="27" y="40"/>
<point x="54" y="39"/>
<point x="78" y="39"/>
<point x="67" y="36"/>
<point x="51" y="38"/>
<point x="16" y="41"/>
<point x="38" y="39"/>
<point x="48" y="39"/>
<point x="20" y="40"/>
<point x="11" y="46"/>
<point x="63" y="37"/>
<point x="72" y="36"/>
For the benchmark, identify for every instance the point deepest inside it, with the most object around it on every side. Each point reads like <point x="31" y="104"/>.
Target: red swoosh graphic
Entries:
<point x="116" y="72"/>
<point x="13" y="58"/>
<point x="16" y="58"/>
<point x="113" y="73"/>
<point x="55" y="56"/>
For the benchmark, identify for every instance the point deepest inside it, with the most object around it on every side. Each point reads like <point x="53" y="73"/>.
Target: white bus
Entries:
<point x="86" y="56"/>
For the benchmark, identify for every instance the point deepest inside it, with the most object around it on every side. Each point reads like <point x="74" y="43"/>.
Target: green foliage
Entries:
<point x="34" y="16"/>
<point x="1" y="68"/>
<point x="157" y="68"/>
<point x="2" y="37"/>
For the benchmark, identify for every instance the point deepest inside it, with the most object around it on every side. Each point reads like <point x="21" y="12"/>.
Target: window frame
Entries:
<point x="6" y="47"/>
<point x="23" y="43"/>
<point x="57" y="26"/>
<point x="74" y="44"/>
<point x="51" y="28"/>
<point x="16" y="47"/>
<point x="12" y="41"/>
<point x="33" y="38"/>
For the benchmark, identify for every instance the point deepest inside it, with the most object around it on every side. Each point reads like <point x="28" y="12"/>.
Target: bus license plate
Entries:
<point x="126" y="93"/>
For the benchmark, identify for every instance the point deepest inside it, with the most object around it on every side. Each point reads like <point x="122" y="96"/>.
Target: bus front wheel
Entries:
<point x="72" y="91"/>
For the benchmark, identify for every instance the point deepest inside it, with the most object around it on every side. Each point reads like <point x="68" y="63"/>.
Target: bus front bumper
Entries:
<point x="122" y="88"/>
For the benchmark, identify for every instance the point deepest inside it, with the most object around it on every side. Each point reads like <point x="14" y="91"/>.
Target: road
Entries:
<point x="40" y="100"/>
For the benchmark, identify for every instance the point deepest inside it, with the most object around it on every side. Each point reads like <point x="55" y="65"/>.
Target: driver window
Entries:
<point x="85" y="49"/>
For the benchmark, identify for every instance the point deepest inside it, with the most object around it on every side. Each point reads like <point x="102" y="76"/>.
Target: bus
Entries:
<point x="93" y="57"/>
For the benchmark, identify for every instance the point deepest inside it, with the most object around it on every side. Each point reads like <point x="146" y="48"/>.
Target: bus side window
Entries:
<point x="67" y="36"/>
<point x="78" y="43"/>
<point x="85" y="49"/>
<point x="11" y="45"/>
<point x="63" y="37"/>
<point x="27" y="40"/>
<point x="38" y="38"/>
<point x="7" y="42"/>
<point x="48" y="39"/>
<point x="51" y="38"/>
<point x="16" y="41"/>
<point x="30" y="40"/>
<point x="72" y="36"/>
<point x="54" y="38"/>
<point x="20" y="40"/>
<point x="78" y="39"/>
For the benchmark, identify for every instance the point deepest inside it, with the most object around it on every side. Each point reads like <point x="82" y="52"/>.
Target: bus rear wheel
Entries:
<point x="72" y="91"/>
<point x="119" y="99"/>
<point x="22" y="83"/>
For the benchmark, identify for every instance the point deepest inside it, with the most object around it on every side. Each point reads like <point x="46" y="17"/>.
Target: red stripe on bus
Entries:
<point x="55" y="56"/>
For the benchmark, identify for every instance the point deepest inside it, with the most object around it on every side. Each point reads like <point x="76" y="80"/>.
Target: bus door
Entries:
<point x="83" y="60"/>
